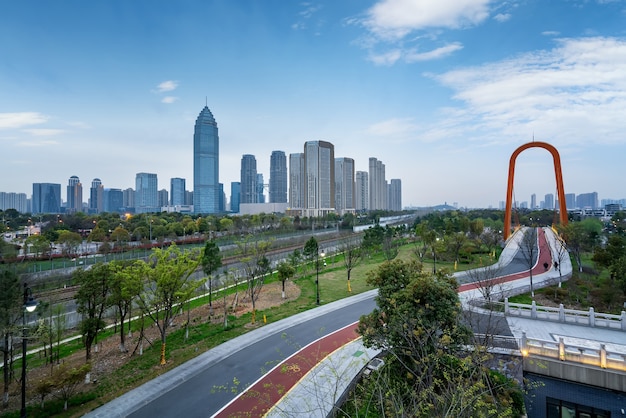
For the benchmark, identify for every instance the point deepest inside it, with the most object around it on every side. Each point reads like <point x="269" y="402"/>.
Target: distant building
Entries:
<point x="96" y="196"/>
<point x="249" y="192"/>
<point x="344" y="185"/>
<point x="206" y="194"/>
<point x="146" y="195"/>
<point x="113" y="200"/>
<point x="533" y="201"/>
<point x="587" y="200"/>
<point x="260" y="185"/>
<point x="395" y="195"/>
<point x="319" y="170"/>
<point x="278" y="177"/>
<point x="362" y="191"/>
<point x="570" y="201"/>
<point x="177" y="191"/>
<point x="46" y="198"/>
<point x="235" y="196"/>
<point x="129" y="198"/>
<point x="17" y="201"/>
<point x="377" y="189"/>
<point x="163" y="198"/>
<point x="74" y="195"/>
<point x="548" y="202"/>
<point x="296" y="180"/>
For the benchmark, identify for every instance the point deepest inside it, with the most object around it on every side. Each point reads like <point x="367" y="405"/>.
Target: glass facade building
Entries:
<point x="46" y="198"/>
<point x="177" y="191"/>
<point x="146" y="195"/>
<point x="206" y="192"/>
<point x="278" y="177"/>
<point x="249" y="191"/>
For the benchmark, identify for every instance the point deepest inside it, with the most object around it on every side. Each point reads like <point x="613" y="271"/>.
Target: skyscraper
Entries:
<point x="278" y="177"/>
<point x="533" y="201"/>
<point x="296" y="180"/>
<point x="395" y="195"/>
<point x="128" y="198"/>
<point x="146" y="195"/>
<point x="260" y="185"/>
<point x="344" y="185"/>
<point x="96" y="196"/>
<point x="377" y="189"/>
<point x="74" y="195"/>
<point x="163" y="198"/>
<point x="548" y="202"/>
<point x="206" y="197"/>
<point x="46" y="198"/>
<point x="113" y="200"/>
<point x="249" y="191"/>
<point x="362" y="191"/>
<point x="319" y="169"/>
<point x="177" y="191"/>
<point x="235" y="196"/>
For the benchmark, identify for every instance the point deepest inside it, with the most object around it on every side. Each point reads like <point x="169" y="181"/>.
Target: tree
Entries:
<point x="285" y="271"/>
<point x="92" y="301"/>
<point x="38" y="244"/>
<point x="295" y="258"/>
<point x="70" y="242"/>
<point x="255" y="265"/>
<point x="124" y="288"/>
<point x="352" y="255"/>
<point x="66" y="380"/>
<point x="389" y="245"/>
<point x="373" y="239"/>
<point x="10" y="304"/>
<point x="529" y="248"/>
<point x="311" y="250"/>
<point x="211" y="261"/>
<point x="428" y="371"/>
<point x="167" y="285"/>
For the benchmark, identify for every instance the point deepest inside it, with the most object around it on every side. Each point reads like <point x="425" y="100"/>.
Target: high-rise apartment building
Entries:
<point x="533" y="201"/>
<point x="46" y="198"/>
<point x="587" y="200"/>
<point x="548" y="202"/>
<point x="146" y="195"/>
<point x="395" y="195"/>
<point x="235" y="196"/>
<point x="296" y="180"/>
<point x="362" y="191"/>
<point x="96" y="196"/>
<point x="344" y="185"/>
<point x="74" y="195"/>
<point x="570" y="200"/>
<point x="206" y="192"/>
<point x="249" y="192"/>
<point x="319" y="169"/>
<point x="129" y="198"/>
<point x="17" y="201"/>
<point x="377" y="187"/>
<point x="177" y="191"/>
<point x="163" y="198"/>
<point x="278" y="177"/>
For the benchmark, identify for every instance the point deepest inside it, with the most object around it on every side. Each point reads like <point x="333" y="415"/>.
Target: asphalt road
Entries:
<point x="205" y="393"/>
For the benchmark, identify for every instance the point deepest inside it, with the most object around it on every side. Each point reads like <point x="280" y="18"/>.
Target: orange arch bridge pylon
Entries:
<point x="559" y="183"/>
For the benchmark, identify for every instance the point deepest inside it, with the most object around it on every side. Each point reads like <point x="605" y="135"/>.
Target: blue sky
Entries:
<point x="442" y="91"/>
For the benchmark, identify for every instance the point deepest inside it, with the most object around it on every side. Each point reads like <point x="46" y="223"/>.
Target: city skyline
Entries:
<point x="443" y="92"/>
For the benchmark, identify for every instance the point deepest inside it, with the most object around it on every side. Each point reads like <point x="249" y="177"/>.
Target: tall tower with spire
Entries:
<point x="206" y="190"/>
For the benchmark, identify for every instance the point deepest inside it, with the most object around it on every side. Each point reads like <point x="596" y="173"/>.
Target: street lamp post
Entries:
<point x="317" y="278"/>
<point x="30" y="304"/>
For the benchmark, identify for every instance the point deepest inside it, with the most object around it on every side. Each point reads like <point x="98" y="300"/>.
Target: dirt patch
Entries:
<point x="107" y="357"/>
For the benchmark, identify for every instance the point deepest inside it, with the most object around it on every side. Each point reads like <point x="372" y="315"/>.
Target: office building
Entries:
<point x="177" y="191"/>
<point x="377" y="188"/>
<point x="260" y="185"/>
<point x="548" y="202"/>
<point x="278" y="177"/>
<point x="113" y="200"/>
<point x="206" y="193"/>
<point x="222" y="204"/>
<point x="587" y="201"/>
<point x="235" y="196"/>
<point x="146" y="195"/>
<point x="362" y="191"/>
<point x="129" y="198"/>
<point x="46" y="198"/>
<point x="96" y="196"/>
<point x="249" y="192"/>
<point x="570" y="200"/>
<point x="296" y="180"/>
<point x="163" y="198"/>
<point x="344" y="185"/>
<point x="319" y="171"/>
<point x="395" y="195"/>
<point x="533" y="201"/>
<point x="74" y="195"/>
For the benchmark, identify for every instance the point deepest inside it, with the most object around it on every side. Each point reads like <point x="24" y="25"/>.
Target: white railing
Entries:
<point x="567" y="316"/>
<point x="593" y="356"/>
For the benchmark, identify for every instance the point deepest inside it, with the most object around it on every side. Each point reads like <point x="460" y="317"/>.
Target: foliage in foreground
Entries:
<point x="428" y="370"/>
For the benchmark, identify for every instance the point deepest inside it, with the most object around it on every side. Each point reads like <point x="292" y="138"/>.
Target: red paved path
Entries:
<point x="258" y="399"/>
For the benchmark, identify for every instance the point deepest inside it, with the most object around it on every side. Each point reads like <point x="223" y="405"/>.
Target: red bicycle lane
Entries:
<point x="259" y="398"/>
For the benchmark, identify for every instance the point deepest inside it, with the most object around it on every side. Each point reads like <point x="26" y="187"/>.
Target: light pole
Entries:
<point x="317" y="278"/>
<point x="30" y="304"/>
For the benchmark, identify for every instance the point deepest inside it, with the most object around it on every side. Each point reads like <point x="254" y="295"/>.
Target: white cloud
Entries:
<point x="43" y="131"/>
<point x="168" y="85"/>
<point x="169" y="99"/>
<point x="574" y="93"/>
<point x="20" y="119"/>
<point x="32" y="144"/>
<point x="550" y="33"/>
<point x="398" y="128"/>
<point x="394" y="19"/>
<point x="444" y="51"/>
<point x="502" y="17"/>
<point x="388" y="58"/>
